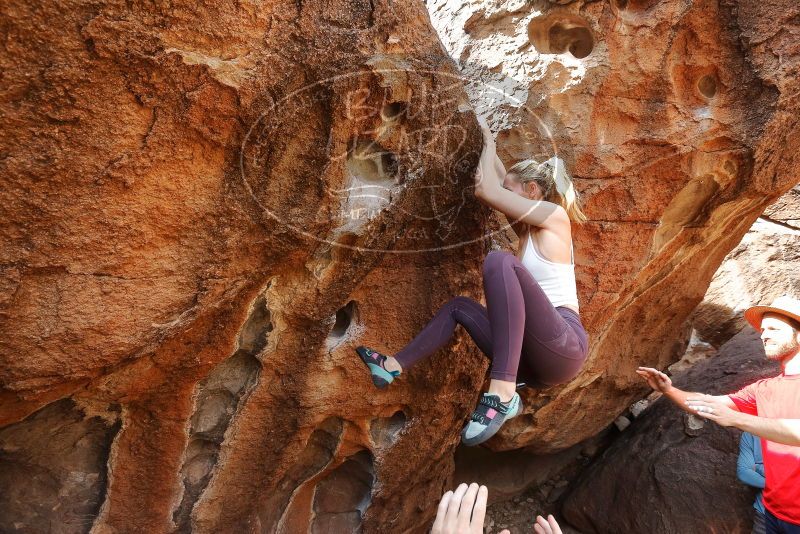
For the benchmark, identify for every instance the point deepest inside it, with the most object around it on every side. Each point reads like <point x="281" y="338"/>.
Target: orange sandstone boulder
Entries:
<point x="207" y="206"/>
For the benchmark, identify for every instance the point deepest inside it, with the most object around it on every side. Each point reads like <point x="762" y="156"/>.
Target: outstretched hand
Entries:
<point x="655" y="378"/>
<point x="546" y="526"/>
<point x="462" y="511"/>
<point x="708" y="407"/>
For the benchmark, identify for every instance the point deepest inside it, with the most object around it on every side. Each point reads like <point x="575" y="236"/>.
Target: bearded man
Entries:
<point x="768" y="408"/>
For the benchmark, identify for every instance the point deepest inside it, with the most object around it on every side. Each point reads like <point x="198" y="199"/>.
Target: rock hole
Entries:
<point x="53" y="468"/>
<point x="211" y="417"/>
<point x="342" y="498"/>
<point x="577" y="40"/>
<point x="201" y="458"/>
<point x="373" y="173"/>
<point x="199" y="461"/>
<point x="369" y="163"/>
<point x="694" y="86"/>
<point x="326" y="438"/>
<point x="707" y="85"/>
<point x="689" y="204"/>
<point x="219" y="397"/>
<point x="687" y="208"/>
<point x="253" y="337"/>
<point x="390" y="165"/>
<point x="634" y="5"/>
<point x="558" y="33"/>
<point x="344" y="318"/>
<point x="730" y="167"/>
<point x="393" y="111"/>
<point x="317" y="454"/>
<point x="385" y="430"/>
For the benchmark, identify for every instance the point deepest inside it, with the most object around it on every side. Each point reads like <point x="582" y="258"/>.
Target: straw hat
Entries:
<point x="783" y="305"/>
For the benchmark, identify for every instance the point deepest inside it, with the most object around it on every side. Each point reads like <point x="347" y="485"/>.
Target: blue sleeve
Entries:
<point x="746" y="463"/>
<point x="759" y="459"/>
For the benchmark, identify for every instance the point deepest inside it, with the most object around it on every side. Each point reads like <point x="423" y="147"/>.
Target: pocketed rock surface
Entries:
<point x="206" y="207"/>
<point x="661" y="111"/>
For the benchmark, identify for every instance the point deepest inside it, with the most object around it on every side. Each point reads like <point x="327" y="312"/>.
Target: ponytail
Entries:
<point x="565" y="189"/>
<point x="555" y="182"/>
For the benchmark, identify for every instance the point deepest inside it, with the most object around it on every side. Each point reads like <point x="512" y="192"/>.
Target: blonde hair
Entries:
<point x="555" y="183"/>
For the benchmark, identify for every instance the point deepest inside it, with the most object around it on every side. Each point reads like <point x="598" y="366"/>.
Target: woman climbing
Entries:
<point x="530" y="327"/>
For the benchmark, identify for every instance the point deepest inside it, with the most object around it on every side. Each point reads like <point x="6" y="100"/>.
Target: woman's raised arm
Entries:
<point x="488" y="190"/>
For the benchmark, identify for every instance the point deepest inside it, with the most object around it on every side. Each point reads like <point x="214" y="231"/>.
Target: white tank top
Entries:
<point x="557" y="280"/>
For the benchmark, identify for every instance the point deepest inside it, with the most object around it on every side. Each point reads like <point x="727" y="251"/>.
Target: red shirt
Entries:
<point x="776" y="398"/>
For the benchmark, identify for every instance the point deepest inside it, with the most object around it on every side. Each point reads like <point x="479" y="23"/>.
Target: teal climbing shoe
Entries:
<point x="374" y="360"/>
<point x="488" y="417"/>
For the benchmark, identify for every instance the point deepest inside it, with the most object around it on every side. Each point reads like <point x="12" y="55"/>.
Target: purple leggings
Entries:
<point x="521" y="332"/>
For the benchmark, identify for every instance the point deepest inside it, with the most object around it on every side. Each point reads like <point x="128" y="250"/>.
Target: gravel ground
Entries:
<point x="519" y="514"/>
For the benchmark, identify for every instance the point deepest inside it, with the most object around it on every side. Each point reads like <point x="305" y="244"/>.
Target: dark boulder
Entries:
<point x="671" y="472"/>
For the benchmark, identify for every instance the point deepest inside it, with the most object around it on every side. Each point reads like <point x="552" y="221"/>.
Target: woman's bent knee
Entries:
<point x="495" y="259"/>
